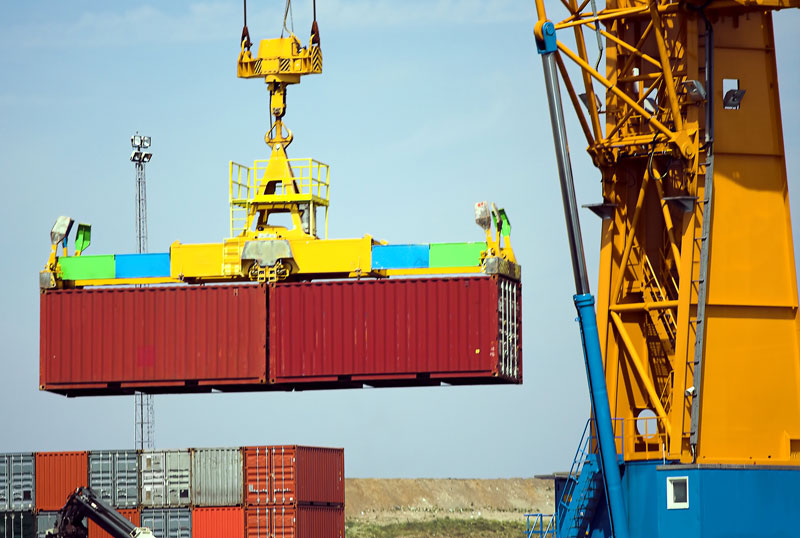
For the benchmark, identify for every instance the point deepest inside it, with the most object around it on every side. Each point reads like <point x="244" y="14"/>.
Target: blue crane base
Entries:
<point x="668" y="500"/>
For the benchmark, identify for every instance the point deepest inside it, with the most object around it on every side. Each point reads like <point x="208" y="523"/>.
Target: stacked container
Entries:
<point x="264" y="492"/>
<point x="294" y="491"/>
<point x="17" y="486"/>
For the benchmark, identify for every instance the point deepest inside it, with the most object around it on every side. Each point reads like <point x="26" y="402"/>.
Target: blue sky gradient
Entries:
<point x="423" y="109"/>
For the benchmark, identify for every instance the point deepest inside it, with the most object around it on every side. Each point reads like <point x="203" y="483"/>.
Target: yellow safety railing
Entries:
<point x="239" y="186"/>
<point x="310" y="184"/>
<point x="645" y="438"/>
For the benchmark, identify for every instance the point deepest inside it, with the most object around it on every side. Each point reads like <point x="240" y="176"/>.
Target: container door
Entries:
<point x="5" y="484"/>
<point x="100" y="475"/>
<point x="179" y="523"/>
<point x="17" y="525"/>
<point x="155" y="520"/>
<point x="126" y="479"/>
<point x="153" y="479"/>
<point x="256" y="470"/>
<point x="178" y="464"/>
<point x="22" y="481"/>
<point x="44" y="522"/>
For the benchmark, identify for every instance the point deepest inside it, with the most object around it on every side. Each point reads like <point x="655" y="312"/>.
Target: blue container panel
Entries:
<point x="400" y="256"/>
<point x="142" y="265"/>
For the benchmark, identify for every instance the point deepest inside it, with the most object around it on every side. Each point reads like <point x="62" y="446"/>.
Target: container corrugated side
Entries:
<point x="256" y="475"/>
<point x="114" y="340"/>
<point x="295" y="522"/>
<point x="165" y="477"/>
<point x="45" y="521"/>
<point x="58" y="474"/>
<point x="17" y="482"/>
<point x="217" y="476"/>
<point x="456" y="330"/>
<point x="17" y="524"/>
<point x="131" y="514"/>
<point x="114" y="476"/>
<point x="306" y="475"/>
<point x="218" y="522"/>
<point x="168" y="522"/>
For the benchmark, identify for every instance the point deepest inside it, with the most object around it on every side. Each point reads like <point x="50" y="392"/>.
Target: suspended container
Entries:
<point x="131" y="514"/>
<point x="175" y="339"/>
<point x="17" y="524"/>
<point x="217" y="476"/>
<point x="294" y="522"/>
<point x="322" y="335"/>
<point x="411" y="331"/>
<point x="165" y="478"/>
<point x="219" y="522"/>
<point x="168" y="522"/>
<point x="114" y="476"/>
<point x="58" y="475"/>
<point x="17" y="482"/>
<point x="44" y="522"/>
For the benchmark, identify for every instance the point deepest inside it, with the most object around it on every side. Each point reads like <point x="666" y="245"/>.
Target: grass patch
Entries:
<point x="442" y="528"/>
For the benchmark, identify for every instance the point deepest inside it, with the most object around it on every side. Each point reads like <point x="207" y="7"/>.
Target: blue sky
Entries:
<point x="423" y="109"/>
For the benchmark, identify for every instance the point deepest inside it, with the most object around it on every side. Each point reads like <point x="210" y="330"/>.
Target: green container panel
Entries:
<point x="456" y="254"/>
<point x="87" y="267"/>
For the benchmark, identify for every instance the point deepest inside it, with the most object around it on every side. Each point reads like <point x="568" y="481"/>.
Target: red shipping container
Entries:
<point x="58" y="475"/>
<point x="177" y="338"/>
<point x="291" y="474"/>
<point x="295" y="522"/>
<point x="457" y="330"/>
<point x="227" y="522"/>
<point x="131" y="514"/>
<point x="323" y="335"/>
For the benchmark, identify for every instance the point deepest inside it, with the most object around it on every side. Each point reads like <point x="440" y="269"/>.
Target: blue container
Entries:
<point x="142" y="265"/>
<point x="400" y="256"/>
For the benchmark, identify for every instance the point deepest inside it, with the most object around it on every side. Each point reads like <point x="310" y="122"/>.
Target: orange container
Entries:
<point x="131" y="514"/>
<point x="295" y="521"/>
<point x="291" y="474"/>
<point x="58" y="474"/>
<point x="225" y="522"/>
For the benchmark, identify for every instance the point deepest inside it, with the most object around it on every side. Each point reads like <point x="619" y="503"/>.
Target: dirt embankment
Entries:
<point x="386" y="501"/>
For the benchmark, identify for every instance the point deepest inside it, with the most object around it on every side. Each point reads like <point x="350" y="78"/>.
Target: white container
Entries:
<point x="216" y="477"/>
<point x="165" y="478"/>
<point x="114" y="476"/>
<point x="17" y="482"/>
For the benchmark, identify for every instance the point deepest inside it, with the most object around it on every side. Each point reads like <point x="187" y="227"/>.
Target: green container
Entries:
<point x="87" y="267"/>
<point x="456" y="254"/>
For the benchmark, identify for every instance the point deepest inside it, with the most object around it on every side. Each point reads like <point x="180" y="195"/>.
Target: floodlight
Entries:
<point x="60" y="229"/>
<point x="136" y="141"/>
<point x="136" y="156"/>
<point x="145" y="141"/>
<point x="482" y="215"/>
<point x="585" y="100"/>
<point x="733" y="98"/>
<point x="695" y="90"/>
<point x="146" y="156"/>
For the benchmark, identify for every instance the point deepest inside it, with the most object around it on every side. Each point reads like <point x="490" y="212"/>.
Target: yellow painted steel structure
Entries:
<point x="697" y="300"/>
<point x="259" y="248"/>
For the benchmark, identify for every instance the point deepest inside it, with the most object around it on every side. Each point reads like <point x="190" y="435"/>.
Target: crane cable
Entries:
<point x="288" y="14"/>
<point x="245" y="40"/>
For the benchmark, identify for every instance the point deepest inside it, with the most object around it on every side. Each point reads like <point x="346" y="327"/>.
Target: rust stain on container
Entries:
<point x="131" y="514"/>
<point x="227" y="522"/>
<point x="292" y="474"/>
<point x="181" y="336"/>
<point x="295" y="522"/>
<point x="394" y="329"/>
<point x="58" y="474"/>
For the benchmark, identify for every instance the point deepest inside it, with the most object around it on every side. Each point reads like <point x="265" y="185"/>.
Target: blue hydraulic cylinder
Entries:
<point x="587" y="318"/>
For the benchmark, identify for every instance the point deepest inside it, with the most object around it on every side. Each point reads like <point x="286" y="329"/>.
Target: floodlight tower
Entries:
<point x="144" y="417"/>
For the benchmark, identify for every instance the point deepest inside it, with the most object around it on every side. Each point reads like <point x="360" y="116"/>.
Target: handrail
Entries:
<point x="537" y="528"/>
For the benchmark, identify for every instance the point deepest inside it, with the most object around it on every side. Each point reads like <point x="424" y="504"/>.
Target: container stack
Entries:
<point x="294" y="492"/>
<point x="259" y="492"/>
